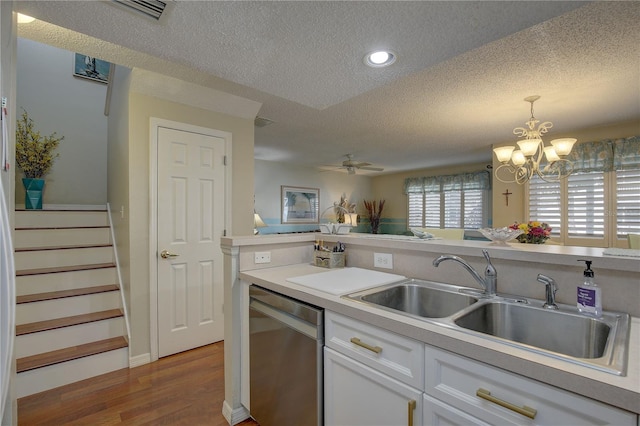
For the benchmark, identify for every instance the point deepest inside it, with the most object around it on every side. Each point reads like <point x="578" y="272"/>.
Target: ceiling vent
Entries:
<point x="149" y="8"/>
<point x="262" y="122"/>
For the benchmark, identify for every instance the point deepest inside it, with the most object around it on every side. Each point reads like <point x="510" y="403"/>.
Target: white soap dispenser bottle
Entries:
<point x="589" y="293"/>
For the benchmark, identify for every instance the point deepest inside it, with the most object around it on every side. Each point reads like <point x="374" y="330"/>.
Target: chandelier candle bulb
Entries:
<point x="503" y="153"/>
<point x="550" y="153"/>
<point x="518" y="158"/>
<point x="529" y="146"/>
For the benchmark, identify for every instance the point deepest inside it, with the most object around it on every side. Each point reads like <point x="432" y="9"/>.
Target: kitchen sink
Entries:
<point x="565" y="334"/>
<point x="424" y="299"/>
<point x="599" y="342"/>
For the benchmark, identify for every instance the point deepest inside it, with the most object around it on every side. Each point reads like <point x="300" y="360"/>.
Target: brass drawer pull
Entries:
<point x="356" y="341"/>
<point x="525" y="411"/>
<point x="411" y="406"/>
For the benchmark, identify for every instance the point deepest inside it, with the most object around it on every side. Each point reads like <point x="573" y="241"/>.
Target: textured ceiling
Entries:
<point x="458" y="85"/>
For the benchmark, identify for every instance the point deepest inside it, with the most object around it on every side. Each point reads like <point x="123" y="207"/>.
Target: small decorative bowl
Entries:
<point x="500" y="236"/>
<point x="421" y="234"/>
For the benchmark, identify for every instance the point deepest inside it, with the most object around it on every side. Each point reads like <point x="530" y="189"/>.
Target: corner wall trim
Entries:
<point x="138" y="360"/>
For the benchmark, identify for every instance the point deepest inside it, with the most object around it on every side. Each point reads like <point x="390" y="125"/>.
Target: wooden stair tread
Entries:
<point x="48" y="248"/>
<point x="57" y="269"/>
<point x="45" y="228"/>
<point x="38" y="326"/>
<point x="68" y="354"/>
<point x="62" y="210"/>
<point x="38" y="297"/>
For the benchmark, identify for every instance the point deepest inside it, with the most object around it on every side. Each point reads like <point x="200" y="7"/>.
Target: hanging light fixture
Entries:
<point x="521" y="163"/>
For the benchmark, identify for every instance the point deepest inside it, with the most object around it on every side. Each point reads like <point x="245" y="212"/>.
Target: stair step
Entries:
<point x="33" y="237"/>
<point x="69" y="247"/>
<point x="71" y="256"/>
<point x="28" y="298"/>
<point x="53" y="270"/>
<point x="60" y="218"/>
<point x="57" y="228"/>
<point x="35" y="327"/>
<point x="68" y="354"/>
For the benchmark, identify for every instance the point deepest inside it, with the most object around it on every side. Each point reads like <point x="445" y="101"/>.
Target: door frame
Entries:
<point x="155" y="125"/>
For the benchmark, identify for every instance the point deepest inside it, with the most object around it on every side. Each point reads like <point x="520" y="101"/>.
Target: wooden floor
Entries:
<point x="183" y="389"/>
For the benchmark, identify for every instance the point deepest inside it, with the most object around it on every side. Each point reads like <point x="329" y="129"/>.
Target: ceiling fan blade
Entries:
<point x="375" y="169"/>
<point x="360" y="165"/>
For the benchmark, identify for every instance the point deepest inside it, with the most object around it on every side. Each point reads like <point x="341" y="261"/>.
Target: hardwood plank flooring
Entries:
<point x="182" y="389"/>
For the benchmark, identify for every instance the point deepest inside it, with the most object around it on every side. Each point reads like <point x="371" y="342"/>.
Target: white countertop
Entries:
<point x="619" y="391"/>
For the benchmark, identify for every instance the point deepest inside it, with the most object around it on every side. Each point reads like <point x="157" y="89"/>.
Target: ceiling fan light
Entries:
<point x="550" y="153"/>
<point x="529" y="146"/>
<point x="503" y="153"/>
<point x="518" y="158"/>
<point x="563" y="146"/>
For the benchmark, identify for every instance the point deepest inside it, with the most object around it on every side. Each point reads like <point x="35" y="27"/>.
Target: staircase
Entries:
<point x="69" y="317"/>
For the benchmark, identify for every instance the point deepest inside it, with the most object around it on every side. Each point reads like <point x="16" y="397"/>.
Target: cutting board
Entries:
<point x="345" y="280"/>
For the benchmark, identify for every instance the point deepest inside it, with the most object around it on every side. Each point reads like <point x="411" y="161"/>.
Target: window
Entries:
<point x="597" y="205"/>
<point x="454" y="201"/>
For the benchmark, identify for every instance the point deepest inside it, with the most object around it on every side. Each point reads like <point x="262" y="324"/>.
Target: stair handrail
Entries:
<point x="115" y="255"/>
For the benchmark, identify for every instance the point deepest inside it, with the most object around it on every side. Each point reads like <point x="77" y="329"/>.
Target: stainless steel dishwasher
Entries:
<point x="285" y="357"/>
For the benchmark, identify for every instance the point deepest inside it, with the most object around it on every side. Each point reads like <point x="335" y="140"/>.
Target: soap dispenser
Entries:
<point x="589" y="293"/>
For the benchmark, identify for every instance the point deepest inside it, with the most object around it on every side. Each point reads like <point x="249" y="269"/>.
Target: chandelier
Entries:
<point x="520" y="165"/>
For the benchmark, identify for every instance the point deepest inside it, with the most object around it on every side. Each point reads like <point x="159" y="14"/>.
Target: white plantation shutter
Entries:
<point x="453" y="209"/>
<point x="586" y="204"/>
<point x="544" y="203"/>
<point x="433" y="210"/>
<point x="627" y="202"/>
<point x="416" y="210"/>
<point x="474" y="208"/>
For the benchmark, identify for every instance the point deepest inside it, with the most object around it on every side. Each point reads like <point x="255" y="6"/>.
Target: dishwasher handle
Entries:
<point x="304" y="327"/>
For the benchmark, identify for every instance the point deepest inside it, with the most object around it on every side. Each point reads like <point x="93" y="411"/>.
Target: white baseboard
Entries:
<point x="234" y="416"/>
<point x="68" y="207"/>
<point x="139" y="360"/>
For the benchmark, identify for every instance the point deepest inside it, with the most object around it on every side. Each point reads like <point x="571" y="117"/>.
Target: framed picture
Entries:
<point x="91" y="68"/>
<point x="300" y="205"/>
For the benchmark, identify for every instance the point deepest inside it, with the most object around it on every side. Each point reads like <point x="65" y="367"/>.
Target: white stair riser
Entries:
<point x="60" y="338"/>
<point x="57" y="219"/>
<point x="61" y="237"/>
<point x="67" y="257"/>
<point x="66" y="307"/>
<point x="45" y="378"/>
<point x="43" y="283"/>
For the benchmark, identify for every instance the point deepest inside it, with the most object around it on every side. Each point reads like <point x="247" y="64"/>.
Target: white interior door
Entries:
<point x="190" y="223"/>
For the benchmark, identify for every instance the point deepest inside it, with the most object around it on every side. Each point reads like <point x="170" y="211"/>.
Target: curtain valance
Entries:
<point x="606" y="155"/>
<point x="460" y="182"/>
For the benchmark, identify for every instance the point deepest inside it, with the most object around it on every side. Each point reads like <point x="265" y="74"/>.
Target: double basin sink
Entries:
<point x="599" y="343"/>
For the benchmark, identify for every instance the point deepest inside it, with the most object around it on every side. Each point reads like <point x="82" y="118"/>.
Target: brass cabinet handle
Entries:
<point x="166" y="255"/>
<point x="411" y="406"/>
<point x="356" y="341"/>
<point x="524" y="410"/>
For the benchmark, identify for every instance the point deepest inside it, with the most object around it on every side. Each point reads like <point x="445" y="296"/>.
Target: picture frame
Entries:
<point x="299" y="204"/>
<point x="91" y="68"/>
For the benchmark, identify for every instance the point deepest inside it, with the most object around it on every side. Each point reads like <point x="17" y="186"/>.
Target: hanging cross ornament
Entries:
<point x="506" y="195"/>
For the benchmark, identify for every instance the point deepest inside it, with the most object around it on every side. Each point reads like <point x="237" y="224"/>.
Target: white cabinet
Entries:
<point x="357" y="395"/>
<point x="371" y="376"/>
<point x="488" y="394"/>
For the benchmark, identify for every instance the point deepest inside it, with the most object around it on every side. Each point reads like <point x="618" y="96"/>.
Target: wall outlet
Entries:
<point x="383" y="260"/>
<point x="262" y="257"/>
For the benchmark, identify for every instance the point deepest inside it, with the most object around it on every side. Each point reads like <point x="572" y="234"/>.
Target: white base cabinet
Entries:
<point x="357" y="395"/>
<point x="509" y="399"/>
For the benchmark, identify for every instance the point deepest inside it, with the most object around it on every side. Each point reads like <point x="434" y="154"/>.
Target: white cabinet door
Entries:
<point x="355" y="395"/>
<point x="437" y="413"/>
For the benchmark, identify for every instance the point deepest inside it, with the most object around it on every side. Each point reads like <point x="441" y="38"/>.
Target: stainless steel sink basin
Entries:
<point x="424" y="299"/>
<point x="599" y="342"/>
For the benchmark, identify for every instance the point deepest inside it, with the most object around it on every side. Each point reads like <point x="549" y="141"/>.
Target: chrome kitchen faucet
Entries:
<point x="488" y="283"/>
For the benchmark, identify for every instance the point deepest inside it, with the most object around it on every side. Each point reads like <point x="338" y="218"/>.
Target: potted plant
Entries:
<point x="34" y="156"/>
<point x="374" y="209"/>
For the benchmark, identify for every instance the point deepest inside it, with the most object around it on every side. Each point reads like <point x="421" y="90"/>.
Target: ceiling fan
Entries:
<point x="351" y="166"/>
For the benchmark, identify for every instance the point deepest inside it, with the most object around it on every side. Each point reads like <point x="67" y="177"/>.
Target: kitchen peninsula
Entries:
<point x="517" y="266"/>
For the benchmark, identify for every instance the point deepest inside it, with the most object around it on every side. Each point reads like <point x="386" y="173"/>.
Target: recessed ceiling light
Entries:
<point x="25" y="19"/>
<point x="380" y="58"/>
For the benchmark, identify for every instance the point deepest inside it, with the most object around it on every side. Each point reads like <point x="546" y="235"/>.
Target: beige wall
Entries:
<point x="504" y="216"/>
<point x="133" y="180"/>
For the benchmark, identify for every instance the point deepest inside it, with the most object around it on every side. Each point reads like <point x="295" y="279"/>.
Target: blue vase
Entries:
<point x="33" y="197"/>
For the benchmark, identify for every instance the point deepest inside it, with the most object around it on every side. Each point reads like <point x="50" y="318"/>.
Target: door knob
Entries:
<point x="166" y="255"/>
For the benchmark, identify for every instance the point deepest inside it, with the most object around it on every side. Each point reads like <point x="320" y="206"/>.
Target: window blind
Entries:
<point x="627" y="202"/>
<point x="544" y="203"/>
<point x="586" y="204"/>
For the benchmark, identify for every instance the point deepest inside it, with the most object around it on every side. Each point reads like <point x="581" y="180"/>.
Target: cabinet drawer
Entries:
<point x="397" y="356"/>
<point x="455" y="380"/>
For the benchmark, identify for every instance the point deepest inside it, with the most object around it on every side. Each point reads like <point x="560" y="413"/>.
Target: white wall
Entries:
<point x="72" y="107"/>
<point x="270" y="176"/>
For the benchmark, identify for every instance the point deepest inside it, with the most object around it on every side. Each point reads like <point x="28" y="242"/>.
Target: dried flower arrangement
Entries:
<point x="374" y="210"/>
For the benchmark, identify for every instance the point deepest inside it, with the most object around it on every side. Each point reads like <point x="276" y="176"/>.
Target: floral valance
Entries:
<point x="606" y="155"/>
<point x="460" y="182"/>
